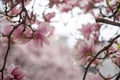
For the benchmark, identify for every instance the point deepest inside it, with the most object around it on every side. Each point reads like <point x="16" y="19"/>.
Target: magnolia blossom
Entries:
<point x="21" y="36"/>
<point x="14" y="73"/>
<point x="65" y="7"/>
<point x="40" y="34"/>
<point x="87" y="30"/>
<point x="49" y="16"/>
<point x="52" y="62"/>
<point x="86" y="49"/>
<point x="7" y="29"/>
<point x="17" y="36"/>
<point x="88" y="4"/>
<point x="15" y="10"/>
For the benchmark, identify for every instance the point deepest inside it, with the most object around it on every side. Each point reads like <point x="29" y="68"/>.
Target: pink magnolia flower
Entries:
<point x="20" y="36"/>
<point x="88" y="5"/>
<point x="65" y="7"/>
<point x="15" y="11"/>
<point x="49" y="16"/>
<point x="87" y="8"/>
<point x="87" y="30"/>
<point x="40" y="34"/>
<point x="17" y="36"/>
<point x="51" y="32"/>
<point x="86" y="49"/>
<point x="15" y="73"/>
<point x="71" y="2"/>
<point x="7" y="29"/>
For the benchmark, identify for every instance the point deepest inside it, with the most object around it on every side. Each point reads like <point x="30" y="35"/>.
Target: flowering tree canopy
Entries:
<point x="29" y="51"/>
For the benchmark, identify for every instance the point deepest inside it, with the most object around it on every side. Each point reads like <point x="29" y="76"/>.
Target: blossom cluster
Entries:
<point x="20" y="25"/>
<point x="92" y="51"/>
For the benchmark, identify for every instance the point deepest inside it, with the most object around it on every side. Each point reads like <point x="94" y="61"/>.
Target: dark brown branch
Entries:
<point x="8" y="49"/>
<point x="7" y="52"/>
<point x="105" y="48"/>
<point x="108" y="22"/>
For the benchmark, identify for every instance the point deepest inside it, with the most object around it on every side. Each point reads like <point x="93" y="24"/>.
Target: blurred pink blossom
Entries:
<point x="15" y="73"/>
<point x="6" y="30"/>
<point x="87" y="30"/>
<point x="40" y="34"/>
<point x="88" y="5"/>
<point x="21" y="36"/>
<point x="52" y="62"/>
<point x="86" y="49"/>
<point x="49" y="16"/>
<point x="15" y="11"/>
<point x="65" y="7"/>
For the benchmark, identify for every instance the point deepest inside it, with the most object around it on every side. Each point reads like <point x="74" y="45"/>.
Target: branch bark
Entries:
<point x="108" y="22"/>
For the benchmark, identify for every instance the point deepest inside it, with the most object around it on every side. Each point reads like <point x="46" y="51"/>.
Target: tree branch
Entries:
<point x="107" y="22"/>
<point x="7" y="52"/>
